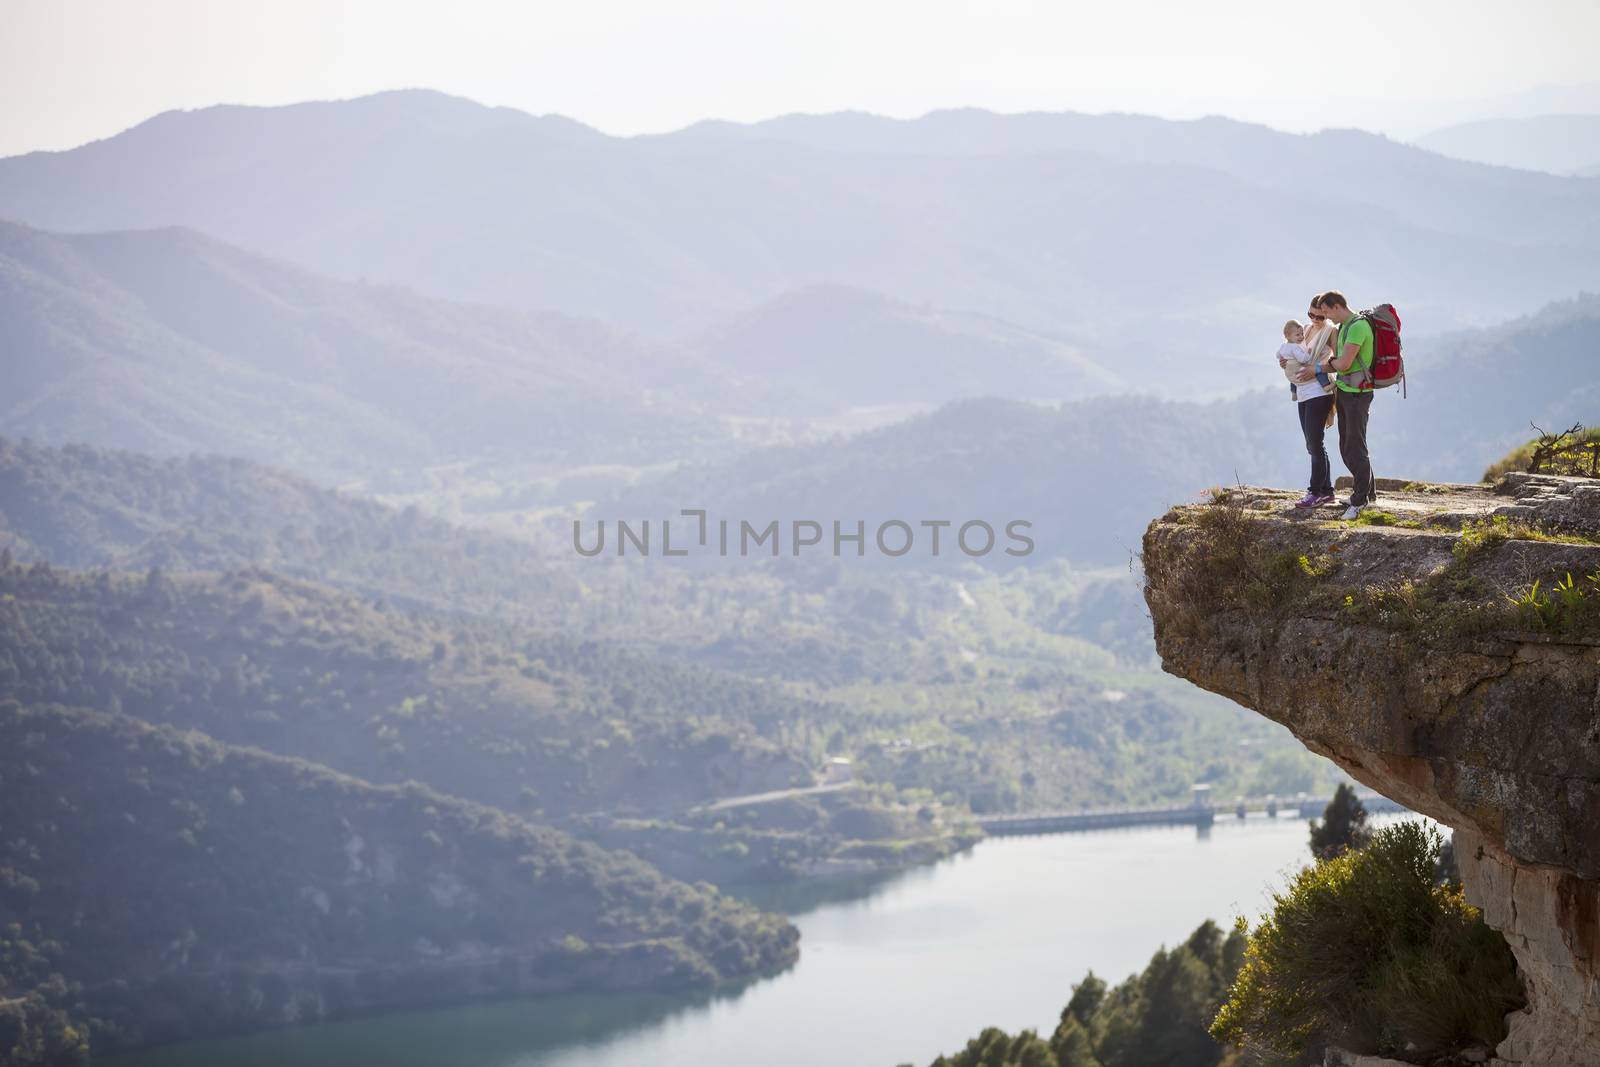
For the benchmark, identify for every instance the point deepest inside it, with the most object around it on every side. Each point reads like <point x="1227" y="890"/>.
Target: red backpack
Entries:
<point x="1387" y="365"/>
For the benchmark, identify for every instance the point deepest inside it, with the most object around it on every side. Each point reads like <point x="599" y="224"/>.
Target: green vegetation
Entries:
<point x="226" y="888"/>
<point x="1574" y="452"/>
<point x="1158" y="1018"/>
<point x="1369" y="951"/>
<point x="1230" y="557"/>
<point x="489" y="713"/>
<point x="455" y="660"/>
<point x="34" y="1032"/>
<point x="794" y="838"/>
<point x="1033" y="689"/>
<point x="1498" y="529"/>
<point x="616" y="745"/>
<point x="1567" y="607"/>
<point x="1373" y="948"/>
<point x="1343" y="825"/>
<point x="87" y="508"/>
<point x="1456" y="601"/>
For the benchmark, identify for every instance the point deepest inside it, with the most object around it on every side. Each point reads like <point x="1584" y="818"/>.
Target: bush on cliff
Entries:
<point x="1369" y="952"/>
<point x="1574" y="452"/>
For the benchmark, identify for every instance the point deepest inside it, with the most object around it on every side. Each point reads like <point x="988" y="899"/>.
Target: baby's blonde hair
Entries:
<point x="1292" y="324"/>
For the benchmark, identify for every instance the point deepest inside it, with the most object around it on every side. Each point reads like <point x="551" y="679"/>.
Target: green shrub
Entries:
<point x="1572" y="452"/>
<point x="1157" y="1018"/>
<point x="1369" y="952"/>
<point x="1566" y="607"/>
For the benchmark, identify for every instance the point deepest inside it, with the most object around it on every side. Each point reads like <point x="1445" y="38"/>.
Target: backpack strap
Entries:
<point x="1362" y="377"/>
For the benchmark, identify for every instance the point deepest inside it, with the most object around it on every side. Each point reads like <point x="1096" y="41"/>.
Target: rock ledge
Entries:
<point x="1394" y="650"/>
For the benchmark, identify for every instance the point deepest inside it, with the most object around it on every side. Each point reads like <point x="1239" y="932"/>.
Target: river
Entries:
<point x="896" y="973"/>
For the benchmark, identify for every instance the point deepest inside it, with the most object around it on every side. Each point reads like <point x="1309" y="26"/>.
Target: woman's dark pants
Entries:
<point x="1313" y="414"/>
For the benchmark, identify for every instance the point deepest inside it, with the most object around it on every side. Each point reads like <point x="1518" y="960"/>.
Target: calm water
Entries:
<point x="909" y="969"/>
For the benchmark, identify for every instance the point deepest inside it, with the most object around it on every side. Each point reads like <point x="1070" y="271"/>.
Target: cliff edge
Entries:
<point x="1445" y="651"/>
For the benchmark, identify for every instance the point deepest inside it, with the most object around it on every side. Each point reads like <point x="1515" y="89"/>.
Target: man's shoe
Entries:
<point x="1352" y="512"/>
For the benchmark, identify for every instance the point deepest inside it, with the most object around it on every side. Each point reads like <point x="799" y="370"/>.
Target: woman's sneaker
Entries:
<point x="1310" y="500"/>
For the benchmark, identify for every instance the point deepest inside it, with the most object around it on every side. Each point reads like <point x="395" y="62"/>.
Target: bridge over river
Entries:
<point x="1199" y="812"/>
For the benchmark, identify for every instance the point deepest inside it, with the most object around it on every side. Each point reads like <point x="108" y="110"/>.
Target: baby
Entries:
<point x="1293" y="358"/>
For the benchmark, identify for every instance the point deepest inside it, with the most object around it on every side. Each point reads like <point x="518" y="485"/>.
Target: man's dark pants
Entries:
<point x="1353" y="409"/>
<point x="1313" y="414"/>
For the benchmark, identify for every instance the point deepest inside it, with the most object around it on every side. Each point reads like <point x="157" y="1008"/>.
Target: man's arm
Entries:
<point x="1346" y="361"/>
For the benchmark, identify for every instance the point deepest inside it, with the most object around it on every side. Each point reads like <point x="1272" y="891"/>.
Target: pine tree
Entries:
<point x="1343" y="826"/>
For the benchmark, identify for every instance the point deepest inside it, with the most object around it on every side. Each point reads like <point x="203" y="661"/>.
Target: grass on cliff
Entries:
<point x="1574" y="452"/>
<point x="1230" y="560"/>
<point x="1370" y="952"/>
<point x="1453" y="602"/>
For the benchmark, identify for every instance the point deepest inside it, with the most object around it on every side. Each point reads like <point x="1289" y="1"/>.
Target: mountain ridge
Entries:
<point x="170" y="340"/>
<point x="670" y="233"/>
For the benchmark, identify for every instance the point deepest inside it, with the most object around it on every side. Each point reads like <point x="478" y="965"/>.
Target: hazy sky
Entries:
<point x="75" y="70"/>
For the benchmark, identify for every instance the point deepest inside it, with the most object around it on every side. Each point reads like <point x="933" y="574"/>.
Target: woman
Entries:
<point x="1316" y="407"/>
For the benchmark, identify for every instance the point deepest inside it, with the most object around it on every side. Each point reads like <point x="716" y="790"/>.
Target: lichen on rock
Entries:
<point x="1416" y="651"/>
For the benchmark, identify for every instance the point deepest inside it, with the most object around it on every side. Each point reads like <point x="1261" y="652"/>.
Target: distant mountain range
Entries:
<point x="1128" y="237"/>
<point x="1557" y="144"/>
<point x="170" y="341"/>
<point x="828" y="348"/>
<point x="167" y="341"/>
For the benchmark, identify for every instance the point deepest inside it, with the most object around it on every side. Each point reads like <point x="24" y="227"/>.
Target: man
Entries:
<point x="1351" y="360"/>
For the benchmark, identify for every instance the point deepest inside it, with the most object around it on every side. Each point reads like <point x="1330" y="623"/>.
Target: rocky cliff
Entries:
<point x="1416" y="650"/>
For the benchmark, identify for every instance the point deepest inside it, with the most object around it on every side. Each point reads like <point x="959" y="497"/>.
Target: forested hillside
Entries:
<point x="986" y="690"/>
<point x="80" y="506"/>
<point x="524" y="722"/>
<point x="158" y="885"/>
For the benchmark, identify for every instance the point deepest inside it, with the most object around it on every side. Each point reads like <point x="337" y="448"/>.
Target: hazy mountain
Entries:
<point x="1582" y="98"/>
<point x="1474" y="393"/>
<point x="168" y="341"/>
<point x="1558" y="144"/>
<point x="1348" y="167"/>
<point x="1118" y="233"/>
<point x="829" y="347"/>
<point x="1089" y="474"/>
<point x="158" y="885"/>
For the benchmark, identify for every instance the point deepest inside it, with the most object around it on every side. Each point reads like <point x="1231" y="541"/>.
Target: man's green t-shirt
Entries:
<point x="1355" y="332"/>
